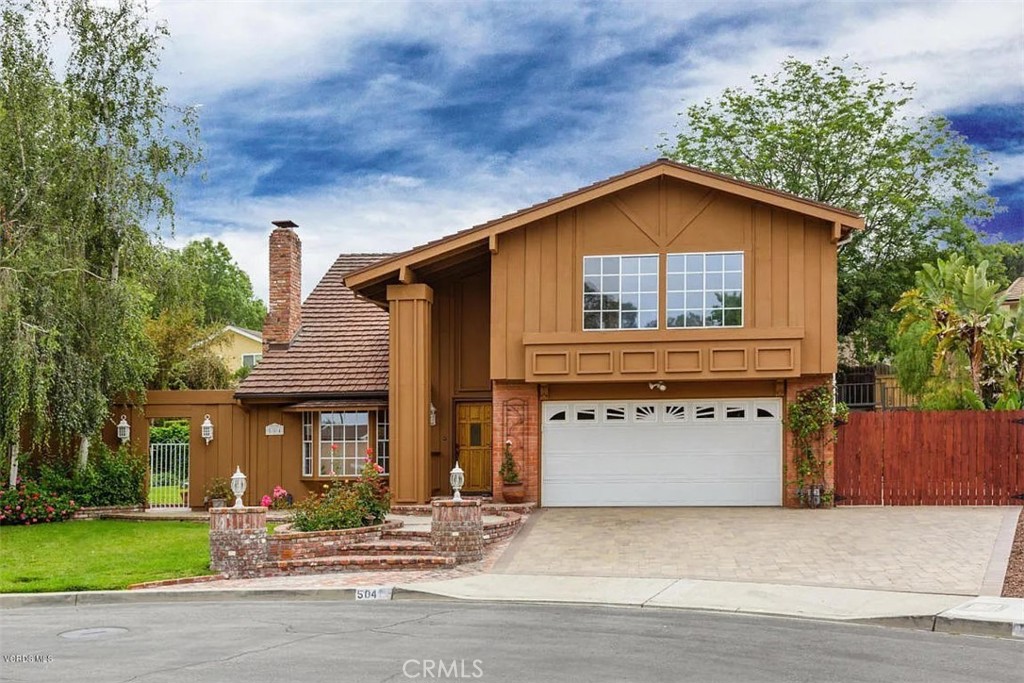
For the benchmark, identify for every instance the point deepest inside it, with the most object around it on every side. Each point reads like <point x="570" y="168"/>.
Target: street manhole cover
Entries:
<point x="94" y="633"/>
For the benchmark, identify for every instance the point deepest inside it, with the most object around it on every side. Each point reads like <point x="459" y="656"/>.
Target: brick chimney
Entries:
<point x="285" y="287"/>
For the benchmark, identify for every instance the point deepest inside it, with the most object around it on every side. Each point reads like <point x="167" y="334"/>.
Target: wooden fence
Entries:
<point x="931" y="458"/>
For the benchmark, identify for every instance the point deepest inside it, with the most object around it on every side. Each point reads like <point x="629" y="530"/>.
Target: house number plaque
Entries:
<point x="274" y="429"/>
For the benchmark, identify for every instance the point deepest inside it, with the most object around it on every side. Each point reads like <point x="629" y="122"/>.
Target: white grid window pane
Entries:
<point x="307" y="444"/>
<point x="383" y="443"/>
<point x="620" y="292"/>
<point x="344" y="438"/>
<point x="704" y="290"/>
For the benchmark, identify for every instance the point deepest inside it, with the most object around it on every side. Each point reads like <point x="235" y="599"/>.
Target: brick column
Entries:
<point x="409" y="391"/>
<point x="515" y="416"/>
<point x="238" y="541"/>
<point x="794" y="387"/>
<point x="457" y="529"/>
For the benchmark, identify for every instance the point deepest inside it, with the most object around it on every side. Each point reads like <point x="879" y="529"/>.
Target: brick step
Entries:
<point x="341" y="563"/>
<point x="393" y="546"/>
<point x="404" y="534"/>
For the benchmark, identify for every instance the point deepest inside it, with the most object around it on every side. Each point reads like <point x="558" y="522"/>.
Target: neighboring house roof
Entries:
<point x="341" y="346"/>
<point x="255" y="335"/>
<point x="843" y="221"/>
<point x="1014" y="291"/>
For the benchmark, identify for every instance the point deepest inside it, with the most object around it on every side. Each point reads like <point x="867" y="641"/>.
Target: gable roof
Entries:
<point x="341" y="346"/>
<point x="254" y="335"/>
<point x="1014" y="291"/>
<point x="843" y="221"/>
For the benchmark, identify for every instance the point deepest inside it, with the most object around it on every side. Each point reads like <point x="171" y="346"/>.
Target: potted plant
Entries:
<point x="218" y="492"/>
<point x="511" y="484"/>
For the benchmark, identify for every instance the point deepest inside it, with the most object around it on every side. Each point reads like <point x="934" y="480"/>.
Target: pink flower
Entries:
<point x="266" y="501"/>
<point x="380" y="470"/>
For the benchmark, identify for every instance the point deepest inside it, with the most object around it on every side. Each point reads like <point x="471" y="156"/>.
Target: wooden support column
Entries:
<point x="409" y="391"/>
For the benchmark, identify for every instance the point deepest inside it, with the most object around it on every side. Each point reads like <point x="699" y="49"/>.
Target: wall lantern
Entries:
<point x="660" y="386"/>
<point x="457" y="479"/>
<point x="207" y="430"/>
<point x="238" y="486"/>
<point x="124" y="430"/>
<point x="433" y="415"/>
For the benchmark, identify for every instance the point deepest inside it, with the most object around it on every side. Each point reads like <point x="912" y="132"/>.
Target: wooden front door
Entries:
<point x="473" y="445"/>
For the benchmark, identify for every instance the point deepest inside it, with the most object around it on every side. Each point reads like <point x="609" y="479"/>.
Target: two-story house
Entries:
<point x="636" y="341"/>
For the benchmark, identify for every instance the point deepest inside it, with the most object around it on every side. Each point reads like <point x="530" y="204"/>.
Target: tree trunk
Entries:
<point x="83" y="452"/>
<point x="14" y="466"/>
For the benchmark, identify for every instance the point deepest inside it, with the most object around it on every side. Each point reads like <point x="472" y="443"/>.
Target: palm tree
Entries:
<point x="961" y="307"/>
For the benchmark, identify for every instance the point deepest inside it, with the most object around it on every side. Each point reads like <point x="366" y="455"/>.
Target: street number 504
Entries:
<point x="375" y="593"/>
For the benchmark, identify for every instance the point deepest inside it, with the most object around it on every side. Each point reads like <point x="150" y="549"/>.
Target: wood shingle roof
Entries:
<point x="341" y="346"/>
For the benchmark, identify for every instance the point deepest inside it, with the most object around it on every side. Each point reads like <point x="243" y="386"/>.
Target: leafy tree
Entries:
<point x="88" y="150"/>
<point x="184" y="352"/>
<point x="829" y="132"/>
<point x="227" y="295"/>
<point x="958" y="312"/>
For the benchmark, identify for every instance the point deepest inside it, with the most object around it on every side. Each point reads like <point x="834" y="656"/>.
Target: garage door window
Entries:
<point x="675" y="412"/>
<point x="645" y="413"/>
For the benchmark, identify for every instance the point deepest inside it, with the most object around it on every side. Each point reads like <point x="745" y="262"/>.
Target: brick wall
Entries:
<point x="793" y="387"/>
<point x="285" y="288"/>
<point x="516" y="417"/>
<point x="297" y="545"/>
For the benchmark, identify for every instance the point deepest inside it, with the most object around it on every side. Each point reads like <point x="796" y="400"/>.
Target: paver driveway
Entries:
<point x="922" y="549"/>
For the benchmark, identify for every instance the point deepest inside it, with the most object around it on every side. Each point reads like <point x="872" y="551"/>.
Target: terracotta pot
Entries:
<point x="513" y="493"/>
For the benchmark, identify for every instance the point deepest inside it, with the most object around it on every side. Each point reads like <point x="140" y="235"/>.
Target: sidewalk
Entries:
<point x="987" y="616"/>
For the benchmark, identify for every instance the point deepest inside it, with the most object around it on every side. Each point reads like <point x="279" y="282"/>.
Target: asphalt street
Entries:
<point x="435" y="640"/>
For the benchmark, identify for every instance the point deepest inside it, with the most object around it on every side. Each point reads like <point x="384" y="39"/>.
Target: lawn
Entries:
<point x="165" y="495"/>
<point x="100" y="554"/>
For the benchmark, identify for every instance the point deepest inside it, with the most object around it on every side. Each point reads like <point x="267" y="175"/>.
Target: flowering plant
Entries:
<point x="28" y="503"/>
<point x="347" y="504"/>
<point x="279" y="500"/>
<point x="509" y="471"/>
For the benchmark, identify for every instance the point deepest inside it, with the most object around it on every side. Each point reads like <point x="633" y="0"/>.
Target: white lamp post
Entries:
<point x="206" y="430"/>
<point x="124" y="430"/>
<point x="238" y="486"/>
<point x="457" y="479"/>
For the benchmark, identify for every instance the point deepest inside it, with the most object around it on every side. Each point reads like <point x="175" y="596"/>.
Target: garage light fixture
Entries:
<point x="660" y="386"/>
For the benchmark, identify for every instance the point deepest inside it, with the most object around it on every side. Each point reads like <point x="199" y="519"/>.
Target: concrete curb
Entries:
<point x="950" y="621"/>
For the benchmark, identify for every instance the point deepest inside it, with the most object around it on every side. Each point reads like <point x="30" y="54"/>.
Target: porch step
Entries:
<point x="404" y="535"/>
<point x="392" y="546"/>
<point x="341" y="563"/>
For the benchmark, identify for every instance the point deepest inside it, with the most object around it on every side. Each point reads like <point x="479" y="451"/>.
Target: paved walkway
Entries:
<point x="944" y="550"/>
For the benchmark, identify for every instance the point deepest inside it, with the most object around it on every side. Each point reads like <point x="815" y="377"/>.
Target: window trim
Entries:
<point x="257" y="357"/>
<point x="704" y="291"/>
<point x="373" y="440"/>
<point x="657" y="292"/>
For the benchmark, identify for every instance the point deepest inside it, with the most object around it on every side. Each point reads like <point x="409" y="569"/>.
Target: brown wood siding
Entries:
<point x="460" y="363"/>
<point x="789" y="276"/>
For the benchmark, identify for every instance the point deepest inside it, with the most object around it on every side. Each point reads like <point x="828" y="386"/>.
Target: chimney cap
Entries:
<point x="285" y="224"/>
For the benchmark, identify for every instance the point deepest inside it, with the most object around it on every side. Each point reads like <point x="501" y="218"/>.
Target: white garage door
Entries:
<point x="637" y="453"/>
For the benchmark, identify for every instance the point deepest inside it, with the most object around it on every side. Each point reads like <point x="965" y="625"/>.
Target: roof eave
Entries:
<point x="388" y="268"/>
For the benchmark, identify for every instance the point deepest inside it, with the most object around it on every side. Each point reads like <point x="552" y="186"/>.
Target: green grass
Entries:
<point x="165" y="495"/>
<point x="100" y="554"/>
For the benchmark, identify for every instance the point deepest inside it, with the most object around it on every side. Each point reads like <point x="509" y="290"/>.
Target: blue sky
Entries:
<point x="379" y="126"/>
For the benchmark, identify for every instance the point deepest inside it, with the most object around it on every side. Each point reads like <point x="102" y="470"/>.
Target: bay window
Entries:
<point x="335" y="444"/>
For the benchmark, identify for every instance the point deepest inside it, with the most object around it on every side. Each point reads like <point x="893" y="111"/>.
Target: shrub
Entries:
<point x="219" y="488"/>
<point x="346" y="504"/>
<point x="29" y="503"/>
<point x="110" y="478"/>
<point x="171" y="431"/>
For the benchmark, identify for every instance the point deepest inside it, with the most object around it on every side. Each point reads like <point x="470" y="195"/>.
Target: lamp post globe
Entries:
<point x="238" y="486"/>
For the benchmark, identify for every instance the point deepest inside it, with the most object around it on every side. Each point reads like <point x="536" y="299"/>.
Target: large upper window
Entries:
<point x="704" y="290"/>
<point x="620" y="292"/>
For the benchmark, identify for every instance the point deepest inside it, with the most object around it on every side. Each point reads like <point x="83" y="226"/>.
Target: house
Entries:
<point x="238" y="347"/>
<point x="1011" y="295"/>
<point x="636" y="342"/>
